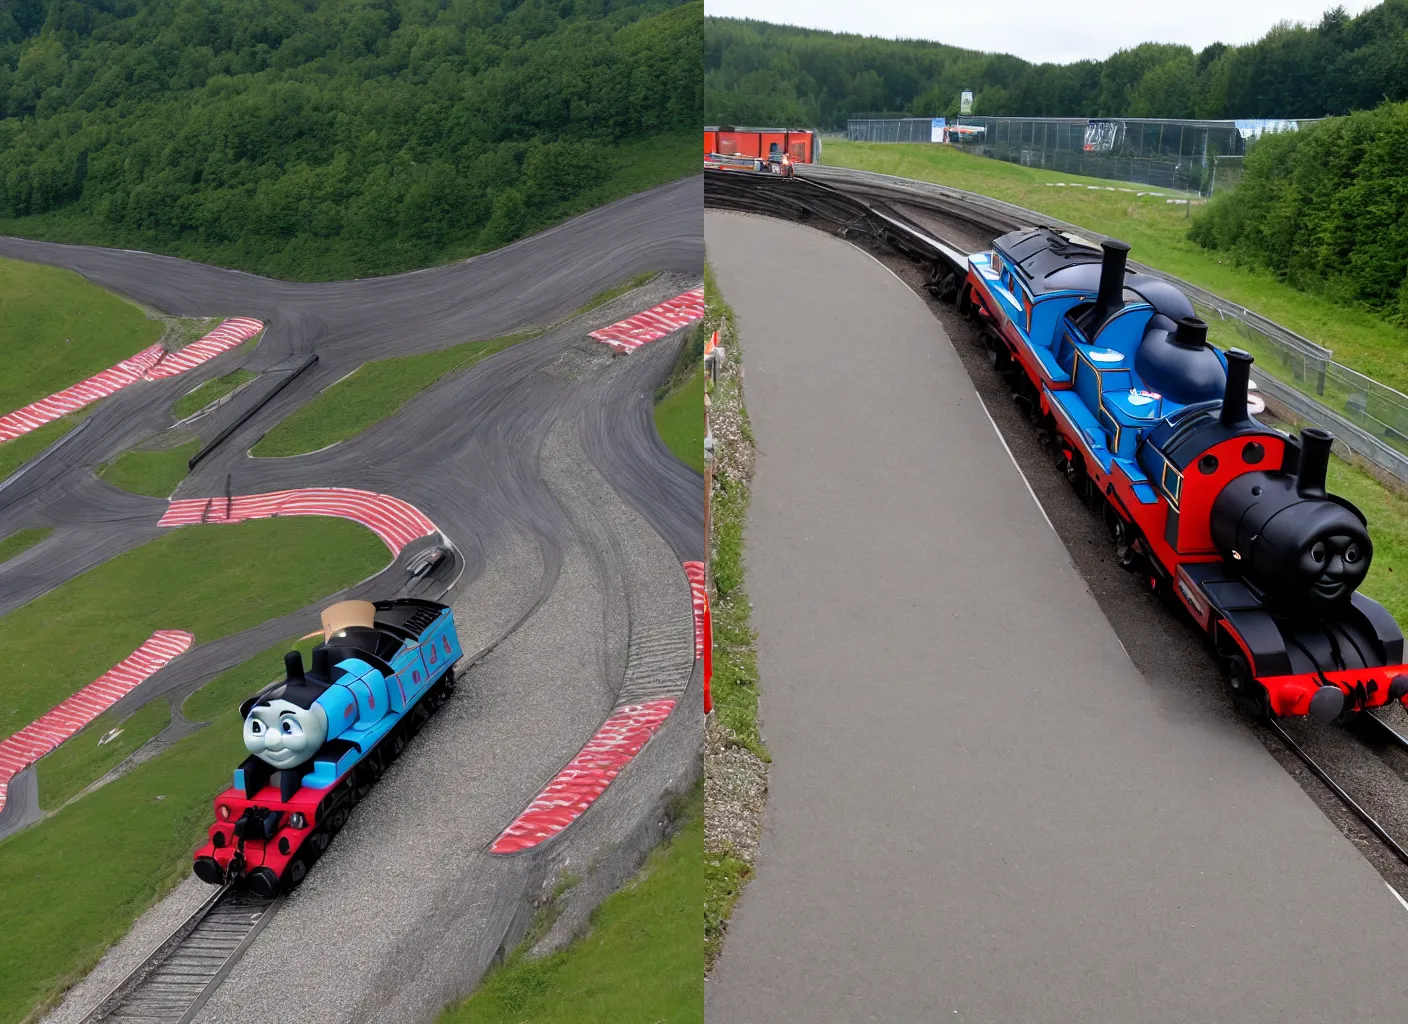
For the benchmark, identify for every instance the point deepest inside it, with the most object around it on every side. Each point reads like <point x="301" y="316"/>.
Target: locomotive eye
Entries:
<point x="291" y="727"/>
<point x="1318" y="552"/>
<point x="255" y="727"/>
<point x="1351" y="554"/>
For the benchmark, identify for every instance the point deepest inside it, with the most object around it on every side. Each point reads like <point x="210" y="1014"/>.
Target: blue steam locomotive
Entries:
<point x="320" y="738"/>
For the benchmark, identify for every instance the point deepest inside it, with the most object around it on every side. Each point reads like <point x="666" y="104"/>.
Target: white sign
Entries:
<point x="965" y="102"/>
<point x="936" y="130"/>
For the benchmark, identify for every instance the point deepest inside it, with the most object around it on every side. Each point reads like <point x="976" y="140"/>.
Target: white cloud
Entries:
<point x="1041" y="30"/>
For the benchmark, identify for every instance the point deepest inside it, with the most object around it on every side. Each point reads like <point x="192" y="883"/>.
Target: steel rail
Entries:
<point x="1334" y="787"/>
<point x="179" y="976"/>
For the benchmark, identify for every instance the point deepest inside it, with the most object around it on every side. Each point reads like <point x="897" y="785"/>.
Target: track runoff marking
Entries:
<point x="151" y="363"/>
<point x="585" y="777"/>
<point x="396" y="522"/>
<point x="653" y="323"/>
<point x="621" y="737"/>
<point x="67" y="717"/>
<point x="230" y="334"/>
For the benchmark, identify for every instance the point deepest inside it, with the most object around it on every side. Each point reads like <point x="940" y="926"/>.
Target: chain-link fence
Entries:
<point x="1163" y="153"/>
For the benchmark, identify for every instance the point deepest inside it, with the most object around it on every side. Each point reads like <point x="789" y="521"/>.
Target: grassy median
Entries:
<point x="152" y="471"/>
<point x="1159" y="234"/>
<point x="369" y="395"/>
<point x="22" y="540"/>
<point x="211" y="391"/>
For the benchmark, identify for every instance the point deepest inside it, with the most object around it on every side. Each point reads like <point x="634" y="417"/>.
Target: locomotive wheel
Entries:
<point x="997" y="354"/>
<point x="337" y="820"/>
<point x="1247" y="694"/>
<point x="395" y="743"/>
<point x="296" y="872"/>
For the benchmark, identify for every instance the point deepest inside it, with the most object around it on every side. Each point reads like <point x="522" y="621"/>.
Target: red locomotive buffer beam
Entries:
<point x="1362" y="687"/>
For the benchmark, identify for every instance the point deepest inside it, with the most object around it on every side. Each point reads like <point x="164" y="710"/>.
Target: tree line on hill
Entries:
<point x="328" y="138"/>
<point x="758" y="73"/>
<point x="1325" y="208"/>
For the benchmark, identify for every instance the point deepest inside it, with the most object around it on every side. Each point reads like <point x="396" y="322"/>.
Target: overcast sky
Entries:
<point x="1041" y="30"/>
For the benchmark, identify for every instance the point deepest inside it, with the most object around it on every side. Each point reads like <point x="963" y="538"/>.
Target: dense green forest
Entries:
<point x="336" y="138"/>
<point x="760" y="73"/>
<point x="1326" y="208"/>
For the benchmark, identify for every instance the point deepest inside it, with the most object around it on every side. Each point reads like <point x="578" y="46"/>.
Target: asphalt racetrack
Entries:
<point x="980" y="808"/>
<point x="569" y="521"/>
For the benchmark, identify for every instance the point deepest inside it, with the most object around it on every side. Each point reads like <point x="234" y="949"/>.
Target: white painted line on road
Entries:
<point x="887" y="270"/>
<point x="1396" y="896"/>
<point x="982" y="405"/>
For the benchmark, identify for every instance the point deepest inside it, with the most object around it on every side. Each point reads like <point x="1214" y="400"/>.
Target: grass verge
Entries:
<point x="14" y="454"/>
<point x="735" y="743"/>
<point x="369" y="395"/>
<point x="152" y="471"/>
<point x="65" y="330"/>
<point x="82" y="760"/>
<point x="211" y="391"/>
<point x="22" y="540"/>
<point x="73" y="883"/>
<point x="603" y="297"/>
<point x="679" y="417"/>
<point x="211" y="580"/>
<point x="641" y="963"/>
<point x="1159" y="234"/>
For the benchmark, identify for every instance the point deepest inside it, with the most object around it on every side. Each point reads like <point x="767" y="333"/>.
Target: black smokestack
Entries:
<point x="1111" y="296"/>
<point x="1234" y="399"/>
<point x="293" y="666"/>
<point x="1314" y="460"/>
<point x="1191" y="332"/>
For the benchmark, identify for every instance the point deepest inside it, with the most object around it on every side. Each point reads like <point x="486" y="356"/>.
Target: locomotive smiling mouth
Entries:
<point x="1330" y="588"/>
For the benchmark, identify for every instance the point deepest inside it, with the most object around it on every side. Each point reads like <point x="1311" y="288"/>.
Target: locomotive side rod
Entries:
<point x="1334" y="787"/>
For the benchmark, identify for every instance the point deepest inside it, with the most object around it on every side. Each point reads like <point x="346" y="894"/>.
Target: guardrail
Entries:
<point x="1370" y="417"/>
<point x="244" y="417"/>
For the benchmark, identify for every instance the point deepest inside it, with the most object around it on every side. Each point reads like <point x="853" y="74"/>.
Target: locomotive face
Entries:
<point x="1332" y="566"/>
<point x="284" y="734"/>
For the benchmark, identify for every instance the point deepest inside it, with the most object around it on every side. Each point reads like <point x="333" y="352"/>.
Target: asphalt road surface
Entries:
<point x="569" y="521"/>
<point x="980" y="808"/>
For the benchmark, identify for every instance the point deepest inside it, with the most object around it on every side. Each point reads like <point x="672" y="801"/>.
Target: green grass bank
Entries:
<point x="60" y="330"/>
<point x="1159" y="234"/>
<point x="641" y="963"/>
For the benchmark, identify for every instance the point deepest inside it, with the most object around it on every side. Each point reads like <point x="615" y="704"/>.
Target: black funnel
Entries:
<point x="1191" y="332"/>
<point x="1234" y="398"/>
<point x="293" y="666"/>
<point x="1111" y="296"/>
<point x="1314" y="460"/>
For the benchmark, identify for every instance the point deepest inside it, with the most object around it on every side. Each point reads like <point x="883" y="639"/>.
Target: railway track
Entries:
<point x="173" y="983"/>
<point x="861" y="210"/>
